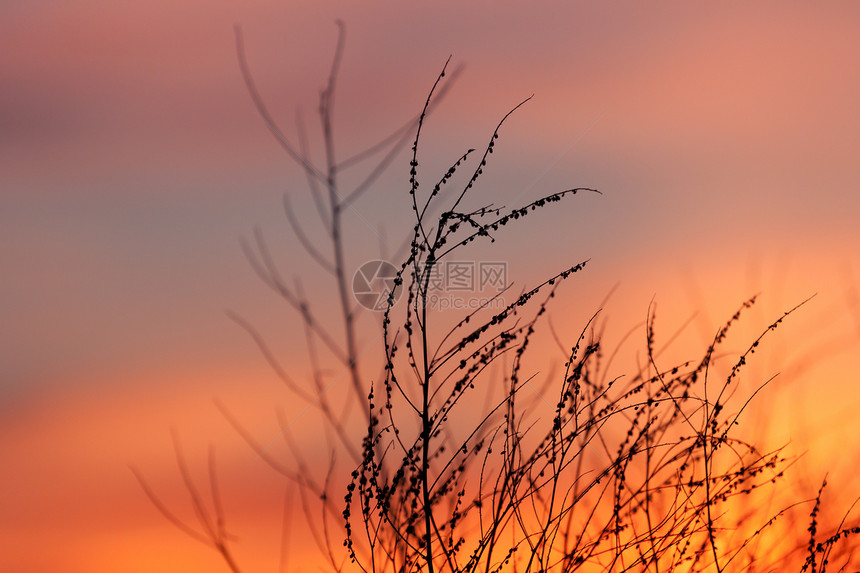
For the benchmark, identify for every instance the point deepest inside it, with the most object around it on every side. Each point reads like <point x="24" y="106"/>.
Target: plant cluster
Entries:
<point x="592" y="472"/>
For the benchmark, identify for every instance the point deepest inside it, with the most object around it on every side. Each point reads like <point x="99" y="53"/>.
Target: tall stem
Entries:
<point x="336" y="206"/>
<point x="425" y="421"/>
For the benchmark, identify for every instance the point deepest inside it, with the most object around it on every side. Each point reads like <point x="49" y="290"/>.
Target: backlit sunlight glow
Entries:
<point x="620" y="241"/>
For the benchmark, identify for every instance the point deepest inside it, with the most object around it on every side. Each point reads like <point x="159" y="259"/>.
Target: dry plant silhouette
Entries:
<point x="596" y="470"/>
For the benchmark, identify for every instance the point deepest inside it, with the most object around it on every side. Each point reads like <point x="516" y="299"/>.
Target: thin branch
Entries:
<point x="270" y="357"/>
<point x="313" y="182"/>
<point x="258" y="449"/>
<point x="267" y="271"/>
<point x="396" y="140"/>
<point x="178" y="523"/>
<point x="303" y="239"/>
<point x="271" y="125"/>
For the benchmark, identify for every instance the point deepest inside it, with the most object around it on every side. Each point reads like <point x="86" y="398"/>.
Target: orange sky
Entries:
<point x="724" y="140"/>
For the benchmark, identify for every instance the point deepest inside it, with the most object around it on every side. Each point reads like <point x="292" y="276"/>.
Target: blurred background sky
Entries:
<point x="725" y="140"/>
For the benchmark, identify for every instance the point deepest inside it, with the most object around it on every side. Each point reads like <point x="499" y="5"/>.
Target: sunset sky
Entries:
<point x="725" y="140"/>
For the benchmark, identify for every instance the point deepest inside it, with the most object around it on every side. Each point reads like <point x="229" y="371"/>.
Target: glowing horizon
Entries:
<point x="724" y="141"/>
